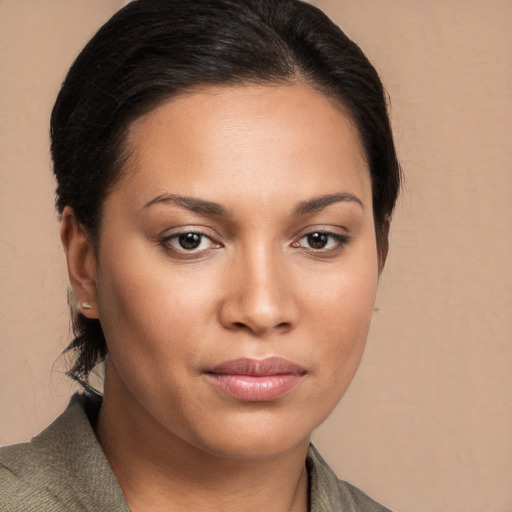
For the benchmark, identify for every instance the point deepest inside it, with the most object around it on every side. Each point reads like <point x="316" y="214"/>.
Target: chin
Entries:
<point x="256" y="436"/>
<point x="255" y="447"/>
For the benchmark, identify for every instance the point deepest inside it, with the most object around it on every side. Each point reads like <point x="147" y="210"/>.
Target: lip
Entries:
<point x="256" y="380"/>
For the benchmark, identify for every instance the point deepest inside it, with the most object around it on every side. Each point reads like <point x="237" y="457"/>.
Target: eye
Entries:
<point x="188" y="242"/>
<point x="317" y="240"/>
<point x="322" y="241"/>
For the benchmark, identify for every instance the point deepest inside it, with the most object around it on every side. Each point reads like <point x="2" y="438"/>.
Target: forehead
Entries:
<point x="252" y="139"/>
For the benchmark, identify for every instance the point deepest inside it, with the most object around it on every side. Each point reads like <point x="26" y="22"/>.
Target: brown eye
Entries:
<point x="322" y="241"/>
<point x="190" y="241"/>
<point x="317" y="240"/>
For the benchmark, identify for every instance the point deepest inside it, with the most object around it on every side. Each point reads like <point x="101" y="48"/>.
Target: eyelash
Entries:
<point x="169" y="242"/>
<point x="338" y="240"/>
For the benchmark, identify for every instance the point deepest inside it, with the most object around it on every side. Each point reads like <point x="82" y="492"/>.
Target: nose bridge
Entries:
<point x="261" y="296"/>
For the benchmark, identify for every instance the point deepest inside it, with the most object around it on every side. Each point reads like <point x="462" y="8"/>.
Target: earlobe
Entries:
<point x="81" y="261"/>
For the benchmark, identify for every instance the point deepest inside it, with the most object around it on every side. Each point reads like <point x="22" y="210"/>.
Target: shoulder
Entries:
<point x="22" y="481"/>
<point x="361" y="501"/>
<point x="329" y="494"/>
<point x="61" y="469"/>
<point x="30" y="476"/>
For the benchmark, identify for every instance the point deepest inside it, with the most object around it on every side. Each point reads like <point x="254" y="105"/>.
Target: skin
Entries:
<point x="256" y="286"/>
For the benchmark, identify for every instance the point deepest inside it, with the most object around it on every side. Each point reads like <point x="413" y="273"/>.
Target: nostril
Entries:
<point x="283" y="326"/>
<point x="258" y="313"/>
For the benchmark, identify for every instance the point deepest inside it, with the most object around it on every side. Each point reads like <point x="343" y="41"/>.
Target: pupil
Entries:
<point x="317" y="240"/>
<point x="189" y="240"/>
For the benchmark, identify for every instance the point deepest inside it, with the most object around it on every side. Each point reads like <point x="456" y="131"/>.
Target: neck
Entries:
<point x="158" y="470"/>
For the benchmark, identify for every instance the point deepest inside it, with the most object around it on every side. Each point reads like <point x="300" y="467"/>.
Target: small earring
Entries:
<point x="86" y="305"/>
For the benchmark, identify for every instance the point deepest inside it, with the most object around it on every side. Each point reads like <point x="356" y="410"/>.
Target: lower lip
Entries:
<point x="261" y="388"/>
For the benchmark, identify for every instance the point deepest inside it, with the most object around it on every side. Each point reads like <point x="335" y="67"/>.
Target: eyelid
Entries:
<point x="166" y="239"/>
<point x="183" y="229"/>
<point x="334" y="229"/>
<point x="341" y="238"/>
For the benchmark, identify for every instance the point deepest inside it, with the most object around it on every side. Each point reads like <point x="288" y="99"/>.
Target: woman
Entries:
<point x="226" y="177"/>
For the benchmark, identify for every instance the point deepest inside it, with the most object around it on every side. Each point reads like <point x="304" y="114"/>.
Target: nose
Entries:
<point x="259" y="295"/>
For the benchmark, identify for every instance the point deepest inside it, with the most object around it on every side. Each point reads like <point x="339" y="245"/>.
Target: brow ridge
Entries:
<point x="201" y="206"/>
<point x="193" y="204"/>
<point x="318" y="204"/>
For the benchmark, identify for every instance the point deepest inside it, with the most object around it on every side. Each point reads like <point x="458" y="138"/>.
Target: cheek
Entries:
<point x="149" y="328"/>
<point x="147" y="307"/>
<point x="342" y="315"/>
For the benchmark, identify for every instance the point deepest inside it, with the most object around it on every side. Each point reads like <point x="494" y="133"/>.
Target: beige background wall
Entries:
<point x="427" y="424"/>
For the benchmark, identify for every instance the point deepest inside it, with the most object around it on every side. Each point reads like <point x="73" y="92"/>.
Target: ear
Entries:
<point x="383" y="242"/>
<point x="81" y="262"/>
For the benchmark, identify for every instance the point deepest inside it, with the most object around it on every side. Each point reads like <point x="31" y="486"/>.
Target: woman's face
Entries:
<point x="237" y="268"/>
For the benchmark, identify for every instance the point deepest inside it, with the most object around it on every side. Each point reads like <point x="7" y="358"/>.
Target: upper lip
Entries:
<point x="258" y="367"/>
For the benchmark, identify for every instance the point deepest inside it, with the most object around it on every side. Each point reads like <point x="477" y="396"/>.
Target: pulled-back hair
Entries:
<point x="154" y="49"/>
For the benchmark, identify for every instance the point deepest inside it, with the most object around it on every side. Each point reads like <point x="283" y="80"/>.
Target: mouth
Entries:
<point x="255" y="380"/>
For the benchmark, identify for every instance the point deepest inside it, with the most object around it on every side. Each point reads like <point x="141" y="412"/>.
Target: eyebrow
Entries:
<point x="317" y="204"/>
<point x="193" y="204"/>
<point x="200" y="206"/>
